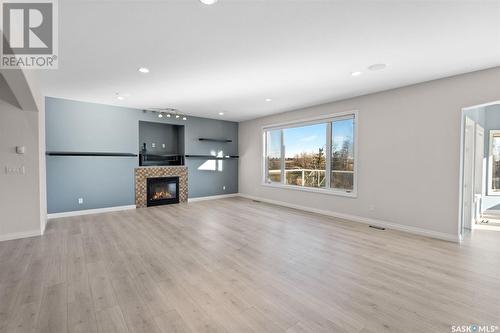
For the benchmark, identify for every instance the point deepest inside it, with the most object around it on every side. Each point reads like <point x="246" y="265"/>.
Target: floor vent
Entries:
<point x="375" y="227"/>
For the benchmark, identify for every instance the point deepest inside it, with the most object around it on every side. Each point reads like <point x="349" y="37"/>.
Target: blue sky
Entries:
<point x="304" y="139"/>
<point x="311" y="138"/>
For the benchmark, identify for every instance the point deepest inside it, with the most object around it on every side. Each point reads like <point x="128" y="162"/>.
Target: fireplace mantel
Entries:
<point x="143" y="173"/>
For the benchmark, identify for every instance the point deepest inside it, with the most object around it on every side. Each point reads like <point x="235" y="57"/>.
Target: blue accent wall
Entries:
<point x="159" y="134"/>
<point x="109" y="181"/>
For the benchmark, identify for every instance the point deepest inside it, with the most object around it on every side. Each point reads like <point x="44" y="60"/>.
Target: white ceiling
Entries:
<point x="233" y="55"/>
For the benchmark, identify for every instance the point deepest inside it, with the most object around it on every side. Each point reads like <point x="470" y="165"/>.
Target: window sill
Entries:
<point x="312" y="189"/>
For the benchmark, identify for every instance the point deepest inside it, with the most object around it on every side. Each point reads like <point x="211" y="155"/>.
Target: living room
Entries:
<point x="277" y="166"/>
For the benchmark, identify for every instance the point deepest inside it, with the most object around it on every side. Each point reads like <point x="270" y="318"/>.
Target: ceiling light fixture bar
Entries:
<point x="167" y="112"/>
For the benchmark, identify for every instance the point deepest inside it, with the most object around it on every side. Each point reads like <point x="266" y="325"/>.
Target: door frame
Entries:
<point x="479" y="170"/>
<point x="460" y="225"/>
<point x="469" y="166"/>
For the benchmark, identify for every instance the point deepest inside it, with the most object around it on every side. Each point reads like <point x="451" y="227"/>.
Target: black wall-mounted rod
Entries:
<point x="86" y="153"/>
<point x="211" y="157"/>
<point x="215" y="140"/>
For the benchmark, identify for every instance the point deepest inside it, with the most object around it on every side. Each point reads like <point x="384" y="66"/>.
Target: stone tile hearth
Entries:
<point x="143" y="173"/>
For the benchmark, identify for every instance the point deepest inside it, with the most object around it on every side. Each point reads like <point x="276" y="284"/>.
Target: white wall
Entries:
<point x="409" y="154"/>
<point x="32" y="81"/>
<point x="42" y="168"/>
<point x="22" y="123"/>
<point x="19" y="194"/>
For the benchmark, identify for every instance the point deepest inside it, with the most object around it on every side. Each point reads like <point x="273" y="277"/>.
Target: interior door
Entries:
<point x="478" y="171"/>
<point x="468" y="180"/>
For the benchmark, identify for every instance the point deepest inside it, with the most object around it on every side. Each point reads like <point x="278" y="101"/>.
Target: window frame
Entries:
<point x="491" y="191"/>
<point x="328" y="119"/>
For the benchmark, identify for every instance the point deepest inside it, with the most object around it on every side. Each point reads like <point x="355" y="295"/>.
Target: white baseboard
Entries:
<point x="89" y="211"/>
<point x="18" y="235"/>
<point x="213" y="197"/>
<point x="360" y="219"/>
<point x="492" y="212"/>
<point x="44" y="225"/>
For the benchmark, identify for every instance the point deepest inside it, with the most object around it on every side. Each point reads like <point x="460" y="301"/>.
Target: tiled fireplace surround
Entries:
<point x="143" y="173"/>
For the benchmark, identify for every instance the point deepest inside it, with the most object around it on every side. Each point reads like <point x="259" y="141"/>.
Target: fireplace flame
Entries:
<point x="161" y="195"/>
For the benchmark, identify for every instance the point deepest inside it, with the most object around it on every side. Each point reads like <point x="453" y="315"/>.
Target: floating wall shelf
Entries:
<point x="211" y="157"/>
<point x="215" y="140"/>
<point x="86" y="153"/>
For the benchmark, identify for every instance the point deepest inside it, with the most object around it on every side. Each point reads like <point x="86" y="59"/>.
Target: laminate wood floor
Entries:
<point x="235" y="265"/>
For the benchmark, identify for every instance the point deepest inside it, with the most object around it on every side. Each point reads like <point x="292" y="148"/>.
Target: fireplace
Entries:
<point x="142" y="174"/>
<point x="162" y="191"/>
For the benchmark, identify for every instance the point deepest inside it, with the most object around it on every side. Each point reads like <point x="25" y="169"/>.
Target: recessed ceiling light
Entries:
<point x="377" y="67"/>
<point x="143" y="70"/>
<point x="221" y="113"/>
<point x="160" y="115"/>
<point x="121" y="96"/>
<point x="168" y="115"/>
<point x="208" y="2"/>
<point x="184" y="118"/>
<point x="356" y="73"/>
<point x="177" y="116"/>
<point x="268" y="100"/>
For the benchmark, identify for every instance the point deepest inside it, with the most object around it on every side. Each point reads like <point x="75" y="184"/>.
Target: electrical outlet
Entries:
<point x="153" y="145"/>
<point x="163" y="145"/>
<point x="80" y="201"/>
<point x="224" y="188"/>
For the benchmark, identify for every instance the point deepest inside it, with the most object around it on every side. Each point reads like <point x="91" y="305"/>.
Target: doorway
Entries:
<point x="480" y="166"/>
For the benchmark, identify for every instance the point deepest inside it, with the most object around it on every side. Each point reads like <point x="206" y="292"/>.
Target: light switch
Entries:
<point x="15" y="170"/>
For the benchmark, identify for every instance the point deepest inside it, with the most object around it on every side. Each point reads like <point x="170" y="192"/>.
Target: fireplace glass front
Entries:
<point x="162" y="191"/>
